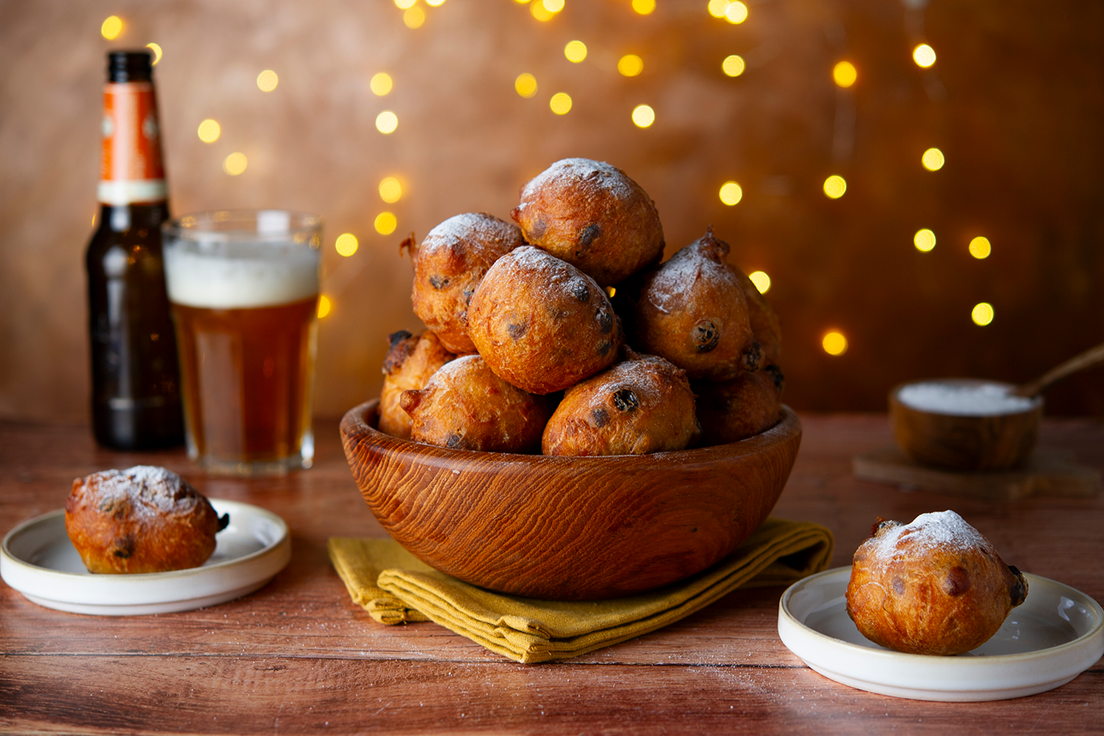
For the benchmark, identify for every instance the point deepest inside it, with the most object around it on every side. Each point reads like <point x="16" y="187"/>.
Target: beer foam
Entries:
<point x="222" y="282"/>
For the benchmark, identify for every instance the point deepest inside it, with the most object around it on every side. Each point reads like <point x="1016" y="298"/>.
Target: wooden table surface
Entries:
<point x="298" y="657"/>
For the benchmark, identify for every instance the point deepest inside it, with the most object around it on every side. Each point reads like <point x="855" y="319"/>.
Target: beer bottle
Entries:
<point x="135" y="377"/>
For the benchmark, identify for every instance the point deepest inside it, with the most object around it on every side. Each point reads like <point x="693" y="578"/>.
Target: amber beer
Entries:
<point x="244" y="293"/>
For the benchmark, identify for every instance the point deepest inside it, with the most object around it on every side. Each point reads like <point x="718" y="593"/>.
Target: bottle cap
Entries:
<point x="129" y="66"/>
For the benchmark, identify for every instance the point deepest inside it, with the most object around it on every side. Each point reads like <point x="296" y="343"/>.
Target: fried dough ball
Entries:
<point x="765" y="325"/>
<point x="408" y="365"/>
<point x="692" y="311"/>
<point x="449" y="264"/>
<point x="638" y="406"/>
<point x="542" y="324"/>
<point x="593" y="216"/>
<point x="935" y="586"/>
<point x="140" y="520"/>
<point x="465" y="406"/>
<point x="740" y="408"/>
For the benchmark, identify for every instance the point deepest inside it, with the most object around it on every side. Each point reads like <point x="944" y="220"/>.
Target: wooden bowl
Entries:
<point x="968" y="442"/>
<point x="568" y="528"/>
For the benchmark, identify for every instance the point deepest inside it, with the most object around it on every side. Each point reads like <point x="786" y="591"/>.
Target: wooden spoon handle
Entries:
<point x="1090" y="357"/>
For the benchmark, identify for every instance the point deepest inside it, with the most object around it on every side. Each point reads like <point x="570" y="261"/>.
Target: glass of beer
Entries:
<point x="243" y="287"/>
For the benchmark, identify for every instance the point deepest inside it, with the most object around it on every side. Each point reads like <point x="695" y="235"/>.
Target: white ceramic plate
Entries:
<point x="38" y="560"/>
<point x="1057" y="634"/>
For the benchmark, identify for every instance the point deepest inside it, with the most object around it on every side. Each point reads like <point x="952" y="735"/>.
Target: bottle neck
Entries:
<point x="123" y="217"/>
<point x="131" y="168"/>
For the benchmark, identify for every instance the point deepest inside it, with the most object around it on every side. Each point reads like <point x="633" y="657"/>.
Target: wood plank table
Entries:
<point x="298" y="657"/>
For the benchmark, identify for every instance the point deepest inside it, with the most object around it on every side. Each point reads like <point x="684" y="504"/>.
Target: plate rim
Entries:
<point x="258" y="567"/>
<point x="958" y="665"/>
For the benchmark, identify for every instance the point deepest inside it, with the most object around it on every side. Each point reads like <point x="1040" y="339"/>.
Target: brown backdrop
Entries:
<point x="1015" y="101"/>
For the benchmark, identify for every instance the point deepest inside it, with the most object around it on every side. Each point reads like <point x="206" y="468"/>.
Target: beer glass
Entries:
<point x="243" y="288"/>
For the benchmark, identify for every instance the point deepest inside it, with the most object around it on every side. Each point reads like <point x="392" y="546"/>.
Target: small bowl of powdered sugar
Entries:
<point x="964" y="424"/>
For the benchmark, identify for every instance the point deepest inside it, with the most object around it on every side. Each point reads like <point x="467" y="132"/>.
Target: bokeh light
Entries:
<point x="731" y="193"/>
<point x="644" y="7"/>
<point x="733" y="65"/>
<point x="553" y="6"/>
<point x="435" y="3"/>
<point x="381" y="84"/>
<point x="413" y="18"/>
<point x="923" y="55"/>
<point x="404" y="4"/>
<point x="761" y="280"/>
<point x="575" y="51"/>
<point x="630" y="65"/>
<point x="717" y="8"/>
<point x="560" y="103"/>
<point x="157" y="53"/>
<point x="325" y="306"/>
<point x="933" y="159"/>
<point x="834" y="343"/>
<point x="111" y="27"/>
<point x="835" y="186"/>
<point x="526" y="85"/>
<point x="386" y="223"/>
<point x="235" y="164"/>
<point x="387" y="122"/>
<point x="346" y="244"/>
<point x="980" y="248"/>
<point x="924" y="240"/>
<point x="390" y="190"/>
<point x="643" y="116"/>
<point x="267" y="80"/>
<point x="844" y="74"/>
<point x="209" y="131"/>
<point x="982" y="314"/>
<point x="736" y="12"/>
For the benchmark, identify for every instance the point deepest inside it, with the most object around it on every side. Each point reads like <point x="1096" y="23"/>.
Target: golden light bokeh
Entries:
<point x="209" y="131"/>
<point x="761" y="280"/>
<point x="387" y="122"/>
<point x="346" y="244"/>
<point x="924" y="240"/>
<point x="540" y="12"/>
<point x="404" y="4"/>
<point x="575" y="51"/>
<point x="933" y="159"/>
<point x="844" y="74"/>
<point x="325" y="306"/>
<point x="717" y="8"/>
<point x="643" y="116"/>
<point x="733" y="65"/>
<point x="982" y="313"/>
<point x="111" y="27"/>
<point x="553" y="6"/>
<point x="736" y="12"/>
<point x="731" y="193"/>
<point x="835" y="186"/>
<point x="435" y="3"/>
<point x="235" y="164"/>
<point x="390" y="190"/>
<point x="923" y="55"/>
<point x="157" y="53"/>
<point x="414" y="17"/>
<point x="560" y="103"/>
<point x="525" y="85"/>
<point x="630" y="65"/>
<point x="381" y="84"/>
<point x="644" y="7"/>
<point x="385" y="223"/>
<point x="267" y="80"/>
<point x="980" y="248"/>
<point x="834" y="343"/>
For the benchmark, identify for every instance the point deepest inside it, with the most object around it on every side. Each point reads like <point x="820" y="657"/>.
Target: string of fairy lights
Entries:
<point x="415" y="13"/>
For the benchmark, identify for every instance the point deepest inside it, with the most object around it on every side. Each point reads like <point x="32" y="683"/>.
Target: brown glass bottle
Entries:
<point x="135" y="376"/>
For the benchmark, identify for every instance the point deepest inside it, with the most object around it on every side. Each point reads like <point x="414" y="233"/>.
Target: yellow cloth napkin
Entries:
<point x="395" y="587"/>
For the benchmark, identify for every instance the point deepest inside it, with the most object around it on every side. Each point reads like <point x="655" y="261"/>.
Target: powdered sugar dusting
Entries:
<point x="964" y="399"/>
<point x="476" y="230"/>
<point x="927" y="532"/>
<point x="148" y="490"/>
<point x="583" y="173"/>
<point x="676" y="278"/>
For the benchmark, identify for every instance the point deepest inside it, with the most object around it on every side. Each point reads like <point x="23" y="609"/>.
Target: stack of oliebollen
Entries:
<point x="564" y="333"/>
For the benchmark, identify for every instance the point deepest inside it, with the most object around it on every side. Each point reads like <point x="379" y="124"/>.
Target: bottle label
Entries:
<point x="131" y="169"/>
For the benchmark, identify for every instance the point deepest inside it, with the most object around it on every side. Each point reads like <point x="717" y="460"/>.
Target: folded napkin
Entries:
<point x="395" y="587"/>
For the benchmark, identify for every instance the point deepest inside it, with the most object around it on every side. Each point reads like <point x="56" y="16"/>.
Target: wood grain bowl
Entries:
<point x="568" y="528"/>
